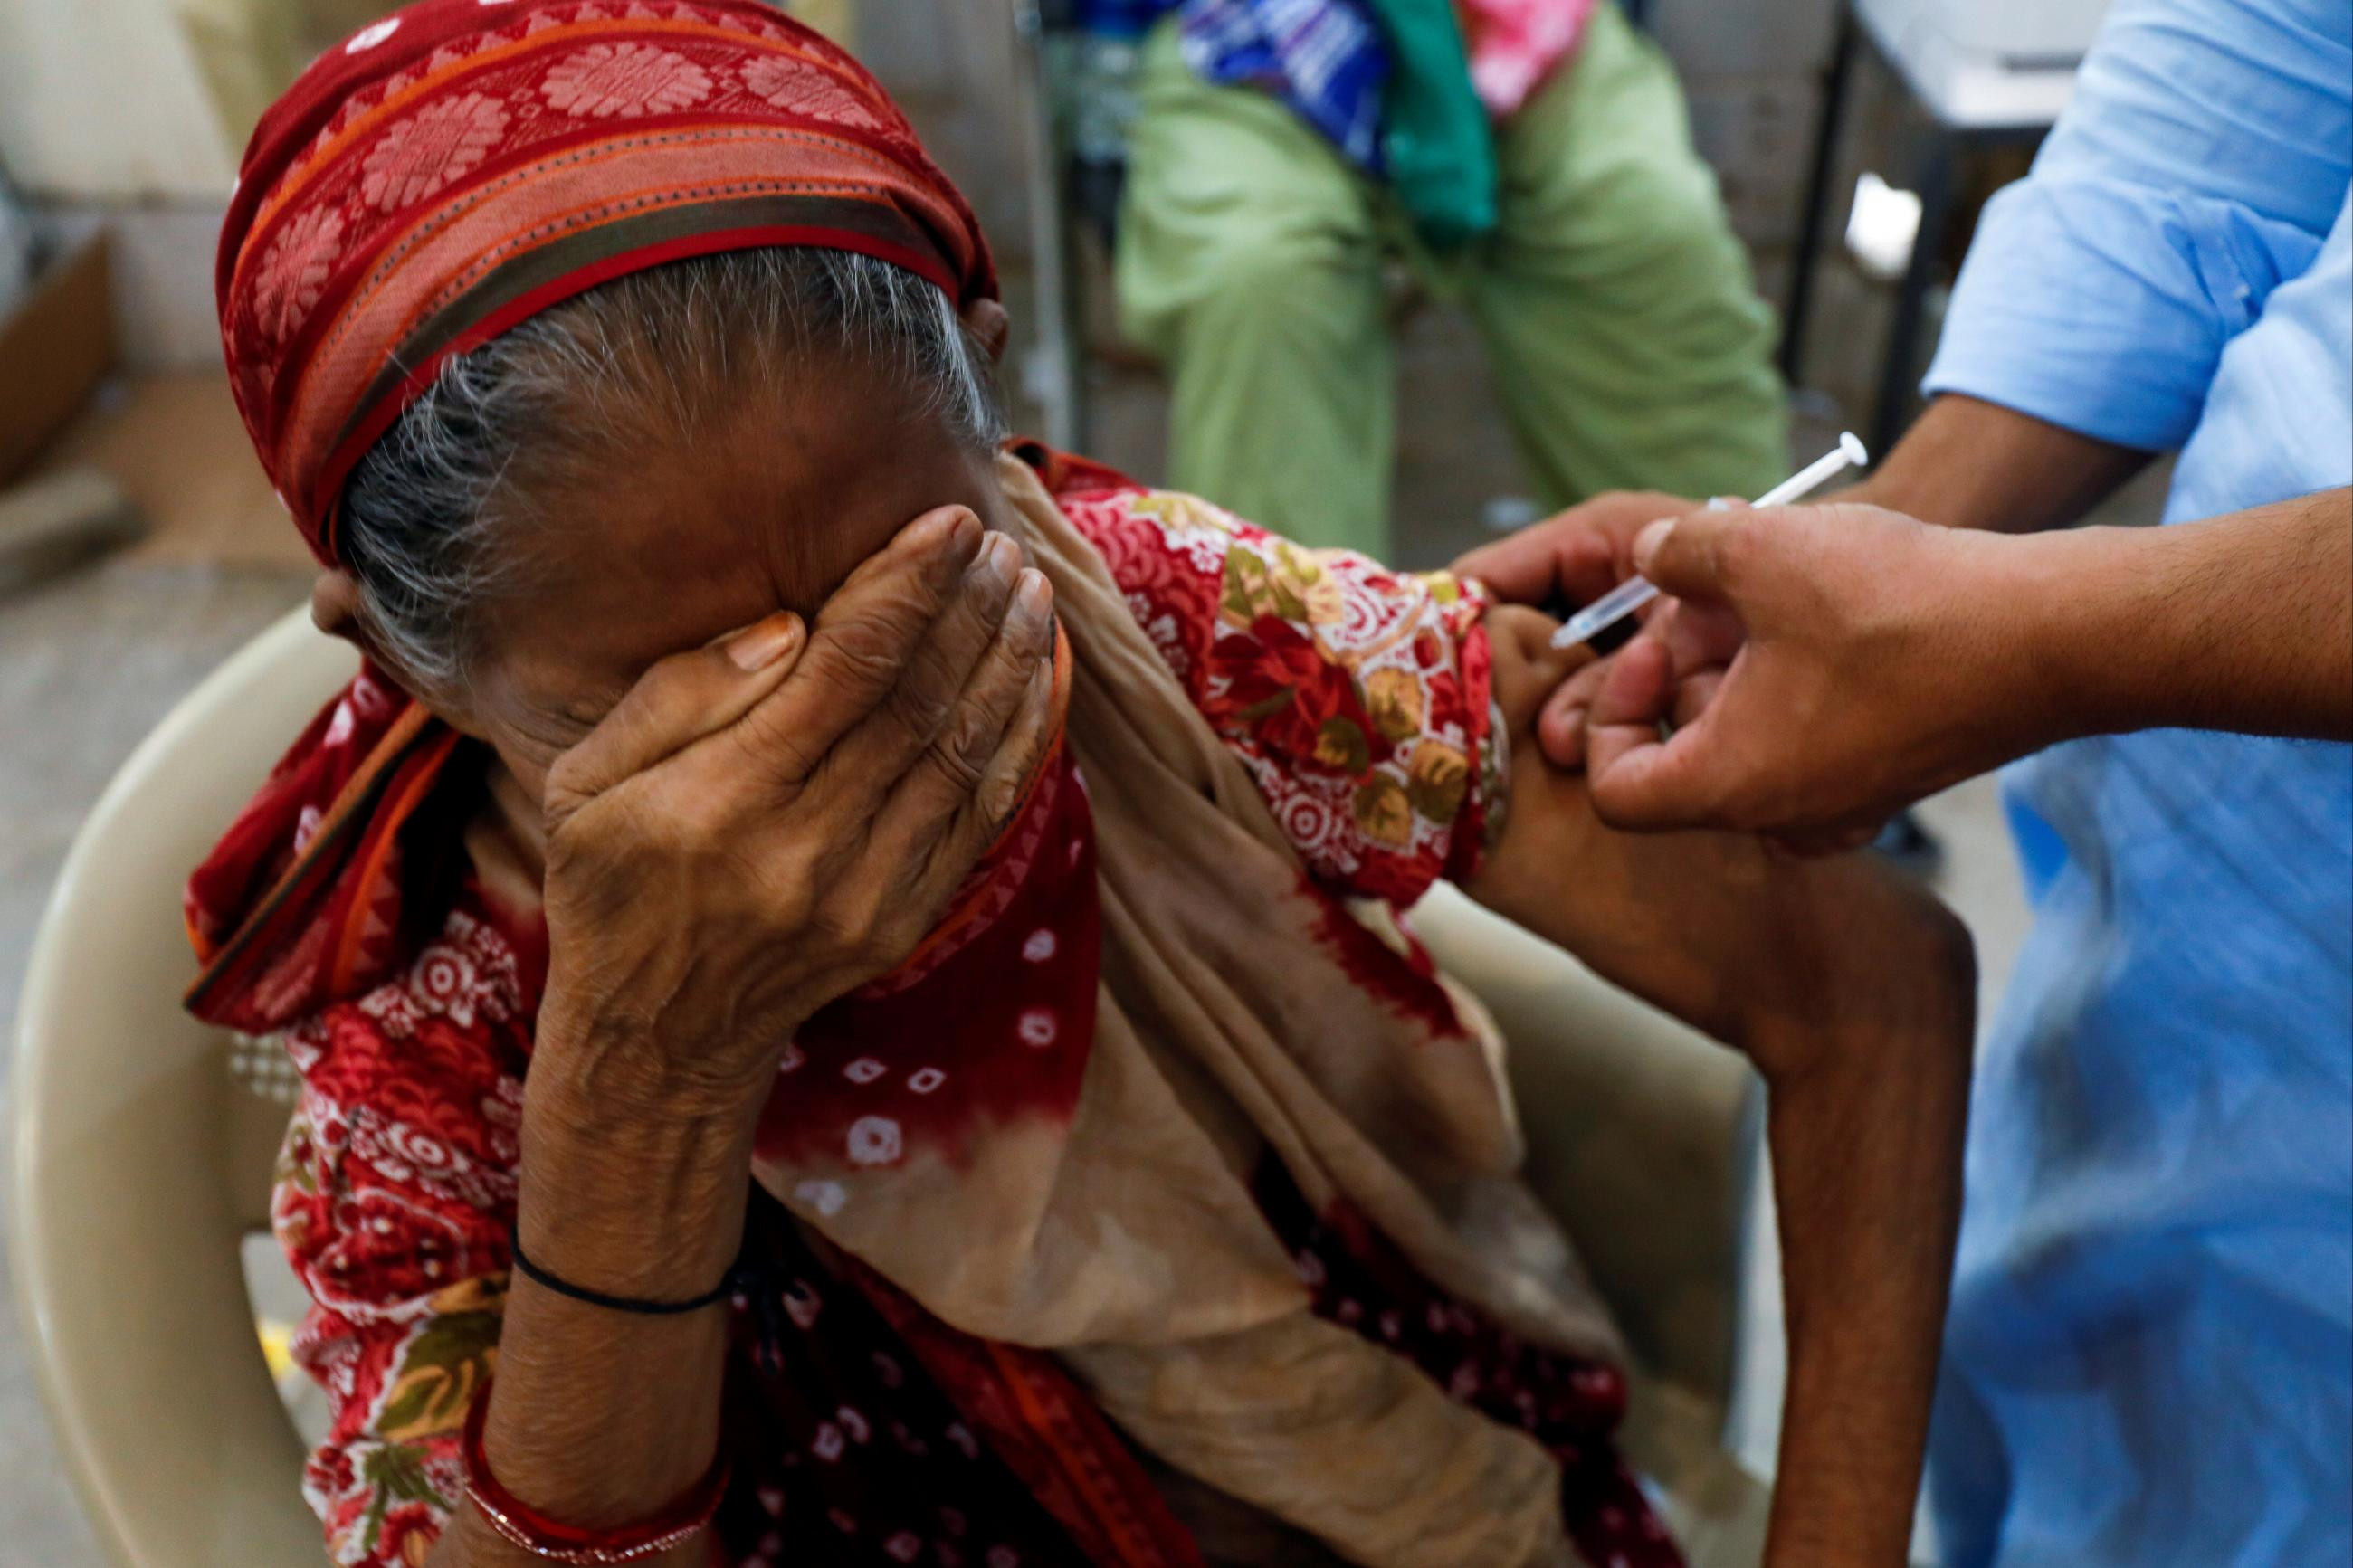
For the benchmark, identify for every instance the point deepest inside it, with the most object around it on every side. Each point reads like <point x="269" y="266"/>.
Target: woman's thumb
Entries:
<point x="1689" y="556"/>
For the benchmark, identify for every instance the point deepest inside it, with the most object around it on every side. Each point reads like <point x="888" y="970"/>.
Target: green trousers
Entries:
<point x="1626" y="336"/>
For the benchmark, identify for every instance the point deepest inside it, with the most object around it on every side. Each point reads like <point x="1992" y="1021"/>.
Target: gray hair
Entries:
<point x="429" y="511"/>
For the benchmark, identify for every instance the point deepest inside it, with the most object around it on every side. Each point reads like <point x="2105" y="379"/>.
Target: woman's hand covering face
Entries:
<point x="765" y="823"/>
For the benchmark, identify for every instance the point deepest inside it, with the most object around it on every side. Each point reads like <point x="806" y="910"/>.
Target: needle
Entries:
<point x="1636" y="592"/>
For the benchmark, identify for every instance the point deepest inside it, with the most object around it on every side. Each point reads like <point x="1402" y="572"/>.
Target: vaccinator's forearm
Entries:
<point x="2242" y="622"/>
<point x="1970" y="464"/>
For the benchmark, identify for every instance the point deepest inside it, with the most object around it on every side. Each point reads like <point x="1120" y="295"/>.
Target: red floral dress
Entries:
<point x="1359" y="700"/>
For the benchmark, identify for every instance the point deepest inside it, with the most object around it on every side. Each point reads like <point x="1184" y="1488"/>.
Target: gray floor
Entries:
<point x="89" y="664"/>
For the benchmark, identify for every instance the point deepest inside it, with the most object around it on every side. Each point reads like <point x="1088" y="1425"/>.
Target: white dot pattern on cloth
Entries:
<point x="793" y="1060"/>
<point x="802" y="1303"/>
<point x="1037" y="1028"/>
<point x="922" y="1080"/>
<point x="369" y="36"/>
<point x="1040" y="946"/>
<point x="826" y="1197"/>
<point x="873" y="1140"/>
<point x="865" y="1070"/>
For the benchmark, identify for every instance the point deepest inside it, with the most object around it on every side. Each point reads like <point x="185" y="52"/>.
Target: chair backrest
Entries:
<point x="137" y="1163"/>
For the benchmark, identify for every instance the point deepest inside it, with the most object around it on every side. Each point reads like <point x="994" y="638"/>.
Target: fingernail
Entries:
<point x="952" y="531"/>
<point x="758" y="645"/>
<point x="1647" y="542"/>
<point x="1034" y="594"/>
<point x="999" y="556"/>
<point x="1720" y="503"/>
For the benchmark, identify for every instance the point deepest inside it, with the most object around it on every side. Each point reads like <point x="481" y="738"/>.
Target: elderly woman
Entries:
<point x="856" y="966"/>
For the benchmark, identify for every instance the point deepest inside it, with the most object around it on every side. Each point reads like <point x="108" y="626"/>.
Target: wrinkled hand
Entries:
<point x="764" y="825"/>
<point x="1824" y="667"/>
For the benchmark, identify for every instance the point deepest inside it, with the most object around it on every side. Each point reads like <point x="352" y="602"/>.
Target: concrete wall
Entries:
<point x="131" y="115"/>
<point x="103" y="99"/>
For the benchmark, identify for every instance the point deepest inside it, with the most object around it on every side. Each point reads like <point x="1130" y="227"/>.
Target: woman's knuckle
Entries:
<point x="918" y="705"/>
<point x="771" y="741"/>
<point x="850" y="918"/>
<point x="962" y="754"/>
<point x="861" y="657"/>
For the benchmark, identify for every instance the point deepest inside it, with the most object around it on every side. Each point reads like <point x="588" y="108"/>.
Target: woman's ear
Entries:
<point x="335" y="609"/>
<point x="986" y="320"/>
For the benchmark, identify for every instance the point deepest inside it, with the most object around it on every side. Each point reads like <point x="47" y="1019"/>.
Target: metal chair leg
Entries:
<point x="1826" y="126"/>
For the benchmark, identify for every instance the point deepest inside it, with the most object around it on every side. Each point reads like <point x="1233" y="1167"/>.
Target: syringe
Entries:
<point x="1636" y="592"/>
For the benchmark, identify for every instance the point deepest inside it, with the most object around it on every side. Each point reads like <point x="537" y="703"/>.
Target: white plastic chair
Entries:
<point x="139" y="1164"/>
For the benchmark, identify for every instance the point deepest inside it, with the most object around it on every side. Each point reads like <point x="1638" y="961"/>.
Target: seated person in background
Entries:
<point x="893" y="1037"/>
<point x="1530" y="158"/>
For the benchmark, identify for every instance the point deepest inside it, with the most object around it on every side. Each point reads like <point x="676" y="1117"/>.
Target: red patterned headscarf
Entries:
<point x="440" y="176"/>
<point x="464" y="164"/>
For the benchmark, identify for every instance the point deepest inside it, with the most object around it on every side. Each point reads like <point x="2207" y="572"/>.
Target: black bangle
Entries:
<point x="726" y="1287"/>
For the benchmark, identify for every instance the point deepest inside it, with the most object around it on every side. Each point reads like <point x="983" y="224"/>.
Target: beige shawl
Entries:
<point x="1128" y="1243"/>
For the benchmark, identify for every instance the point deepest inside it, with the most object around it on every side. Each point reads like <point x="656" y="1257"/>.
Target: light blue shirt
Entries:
<point x="2151" y="1361"/>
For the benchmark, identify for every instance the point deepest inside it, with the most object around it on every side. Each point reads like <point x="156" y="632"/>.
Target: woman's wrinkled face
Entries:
<point x="678" y="536"/>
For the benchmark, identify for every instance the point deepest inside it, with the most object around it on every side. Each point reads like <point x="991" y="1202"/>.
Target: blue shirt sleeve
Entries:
<point x="2202" y="161"/>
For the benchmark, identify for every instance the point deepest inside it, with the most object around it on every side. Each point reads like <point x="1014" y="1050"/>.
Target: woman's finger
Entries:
<point x="908" y="723"/>
<point x="989" y="809"/>
<point x="950" y="776"/>
<point x="675" y="703"/>
<point x="865" y="637"/>
<point x="918" y="854"/>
